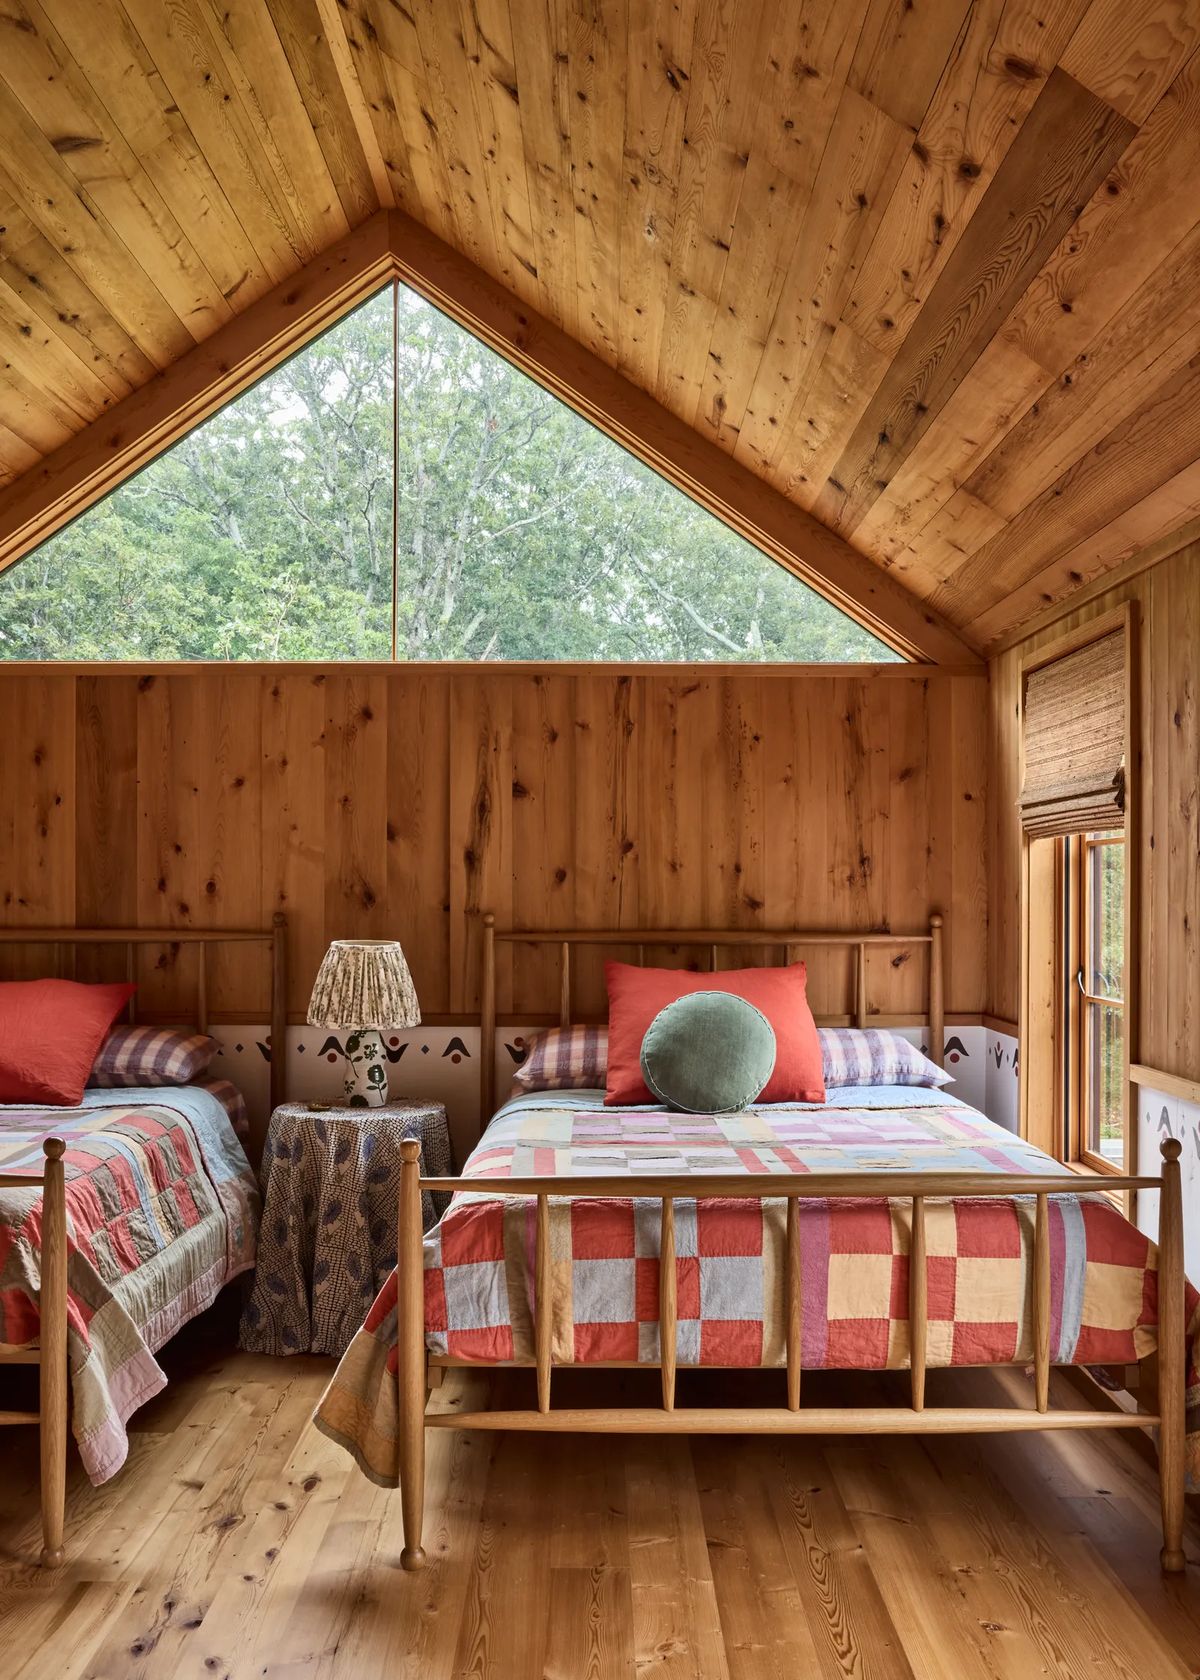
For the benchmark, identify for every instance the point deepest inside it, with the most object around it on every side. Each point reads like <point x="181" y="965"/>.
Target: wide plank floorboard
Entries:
<point x="239" y="1543"/>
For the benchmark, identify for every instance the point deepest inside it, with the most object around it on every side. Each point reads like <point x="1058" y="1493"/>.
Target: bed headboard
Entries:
<point x="788" y="945"/>
<point x="68" y="940"/>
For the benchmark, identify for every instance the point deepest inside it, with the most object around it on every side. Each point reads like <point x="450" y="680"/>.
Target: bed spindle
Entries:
<point x="918" y="1304"/>
<point x="543" y="1304"/>
<point x="795" y="1322"/>
<point x="667" y="1316"/>
<point x="860" y="987"/>
<point x="564" y="985"/>
<point x="52" y="1357"/>
<point x="202" y="989"/>
<point x="1041" y="1303"/>
<point x="131" y="976"/>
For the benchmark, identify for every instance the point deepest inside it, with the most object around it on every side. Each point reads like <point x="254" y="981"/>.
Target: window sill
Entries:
<point x="1082" y="1170"/>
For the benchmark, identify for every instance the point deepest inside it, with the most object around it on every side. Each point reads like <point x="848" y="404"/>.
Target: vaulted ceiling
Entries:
<point x="930" y="268"/>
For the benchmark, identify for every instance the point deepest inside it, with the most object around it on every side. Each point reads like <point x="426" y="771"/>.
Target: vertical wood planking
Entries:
<point x="37" y="810"/>
<point x="356" y="737"/>
<point x="543" y="827"/>
<point x="294" y="818"/>
<point x="105" y="810"/>
<point x="401" y="802"/>
<point x="168" y="832"/>
<point x="418" y="834"/>
<point x="609" y="740"/>
<point x="481" y="860"/>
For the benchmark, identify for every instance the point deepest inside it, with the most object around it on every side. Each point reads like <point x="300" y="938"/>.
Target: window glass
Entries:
<point x="1102" y="976"/>
<point x="521" y="531"/>
<point x="266" y="533"/>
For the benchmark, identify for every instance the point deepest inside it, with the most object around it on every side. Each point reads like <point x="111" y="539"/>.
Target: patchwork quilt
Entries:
<point x="730" y="1253"/>
<point x="162" y="1210"/>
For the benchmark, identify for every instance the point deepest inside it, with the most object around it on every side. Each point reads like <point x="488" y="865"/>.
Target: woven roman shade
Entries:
<point x="1075" y="741"/>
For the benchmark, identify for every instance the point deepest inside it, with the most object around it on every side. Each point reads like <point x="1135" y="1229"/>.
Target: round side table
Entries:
<point x="331" y="1180"/>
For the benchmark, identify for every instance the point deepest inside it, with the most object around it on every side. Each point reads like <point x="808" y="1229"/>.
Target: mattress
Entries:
<point x="730" y="1253"/>
<point x="162" y="1210"/>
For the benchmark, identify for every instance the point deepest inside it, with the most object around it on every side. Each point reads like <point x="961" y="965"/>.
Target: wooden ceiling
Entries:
<point x="931" y="268"/>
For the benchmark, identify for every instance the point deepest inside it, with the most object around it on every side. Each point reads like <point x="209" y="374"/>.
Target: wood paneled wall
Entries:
<point x="1168" y="864"/>
<point x="381" y="800"/>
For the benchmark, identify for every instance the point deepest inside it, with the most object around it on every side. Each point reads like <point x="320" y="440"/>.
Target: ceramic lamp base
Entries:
<point x="365" y="1081"/>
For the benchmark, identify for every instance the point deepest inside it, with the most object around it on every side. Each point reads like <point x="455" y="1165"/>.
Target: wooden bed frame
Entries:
<point x="50" y="1351"/>
<point x="418" y="1371"/>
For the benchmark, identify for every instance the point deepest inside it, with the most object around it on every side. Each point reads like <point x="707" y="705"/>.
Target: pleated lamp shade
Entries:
<point x="364" y="983"/>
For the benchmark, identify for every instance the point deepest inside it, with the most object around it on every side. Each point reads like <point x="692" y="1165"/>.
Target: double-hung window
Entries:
<point x="1075" y="743"/>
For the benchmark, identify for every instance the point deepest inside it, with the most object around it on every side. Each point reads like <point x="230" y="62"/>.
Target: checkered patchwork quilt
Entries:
<point x="161" y="1212"/>
<point x="730" y="1254"/>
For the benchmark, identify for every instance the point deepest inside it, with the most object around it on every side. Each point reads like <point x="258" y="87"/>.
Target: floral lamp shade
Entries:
<point x="363" y="987"/>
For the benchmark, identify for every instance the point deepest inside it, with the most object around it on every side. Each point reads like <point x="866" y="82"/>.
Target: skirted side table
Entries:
<point x="331" y="1180"/>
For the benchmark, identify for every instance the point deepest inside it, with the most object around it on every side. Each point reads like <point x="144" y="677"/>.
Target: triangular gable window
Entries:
<point x="397" y="489"/>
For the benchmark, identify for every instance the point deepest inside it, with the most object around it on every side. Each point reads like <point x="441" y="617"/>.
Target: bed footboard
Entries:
<point x="915" y="1188"/>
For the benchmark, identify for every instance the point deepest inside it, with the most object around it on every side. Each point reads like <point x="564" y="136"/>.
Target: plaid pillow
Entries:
<point x="151" y="1056"/>
<point x="872" y="1056"/>
<point x="565" y="1059"/>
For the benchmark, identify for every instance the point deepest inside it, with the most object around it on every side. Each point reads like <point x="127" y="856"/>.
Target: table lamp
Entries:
<point x="363" y="987"/>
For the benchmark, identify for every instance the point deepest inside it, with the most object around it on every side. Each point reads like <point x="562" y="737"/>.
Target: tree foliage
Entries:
<point x="521" y="531"/>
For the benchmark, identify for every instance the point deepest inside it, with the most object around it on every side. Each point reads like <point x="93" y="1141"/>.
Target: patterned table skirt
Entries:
<point x="331" y="1180"/>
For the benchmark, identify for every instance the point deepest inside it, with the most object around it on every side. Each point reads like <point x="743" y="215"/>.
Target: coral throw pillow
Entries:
<point x="635" y="996"/>
<point x="50" y="1031"/>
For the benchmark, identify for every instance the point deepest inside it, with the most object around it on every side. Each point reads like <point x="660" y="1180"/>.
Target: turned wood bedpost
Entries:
<point x="410" y="1345"/>
<point x="1172" y="1356"/>
<point x="52" y="1358"/>
<point x="487" y="1023"/>
<point x="937" y="991"/>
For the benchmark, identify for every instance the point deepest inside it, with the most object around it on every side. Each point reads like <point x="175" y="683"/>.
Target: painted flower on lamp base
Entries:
<point x="365" y="1082"/>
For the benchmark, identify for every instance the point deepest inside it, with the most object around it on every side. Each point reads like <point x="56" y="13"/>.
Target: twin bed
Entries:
<point x="891" y="1226"/>
<point x="121" y="1218"/>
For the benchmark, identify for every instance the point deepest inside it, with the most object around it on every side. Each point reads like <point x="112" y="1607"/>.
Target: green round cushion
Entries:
<point x="708" y="1053"/>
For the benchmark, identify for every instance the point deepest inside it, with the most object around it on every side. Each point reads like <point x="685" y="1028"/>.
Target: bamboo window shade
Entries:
<point x="1074" y="741"/>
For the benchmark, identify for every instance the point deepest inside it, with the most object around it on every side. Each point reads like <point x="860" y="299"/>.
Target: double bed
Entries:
<point x="887" y="1227"/>
<point x="121" y="1218"/>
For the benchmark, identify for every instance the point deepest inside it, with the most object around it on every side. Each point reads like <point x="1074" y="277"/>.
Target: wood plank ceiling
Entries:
<point x="929" y="267"/>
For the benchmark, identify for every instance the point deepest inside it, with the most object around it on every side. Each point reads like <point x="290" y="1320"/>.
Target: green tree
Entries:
<point x="521" y="532"/>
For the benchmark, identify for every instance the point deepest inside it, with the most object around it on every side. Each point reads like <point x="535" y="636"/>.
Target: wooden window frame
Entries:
<point x="390" y="247"/>
<point x="1047" y="1026"/>
<point x="1078" y="1001"/>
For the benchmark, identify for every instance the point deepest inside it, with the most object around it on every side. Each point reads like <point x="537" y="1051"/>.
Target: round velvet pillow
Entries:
<point x="708" y="1053"/>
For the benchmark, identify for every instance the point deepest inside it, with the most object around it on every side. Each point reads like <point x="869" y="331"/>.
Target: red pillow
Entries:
<point x="635" y="996"/>
<point x="50" y="1031"/>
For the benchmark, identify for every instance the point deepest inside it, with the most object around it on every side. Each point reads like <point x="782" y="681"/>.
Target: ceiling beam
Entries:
<point x="390" y="244"/>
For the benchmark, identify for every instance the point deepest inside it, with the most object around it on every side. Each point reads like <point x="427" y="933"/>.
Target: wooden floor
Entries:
<point x="238" y="1542"/>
